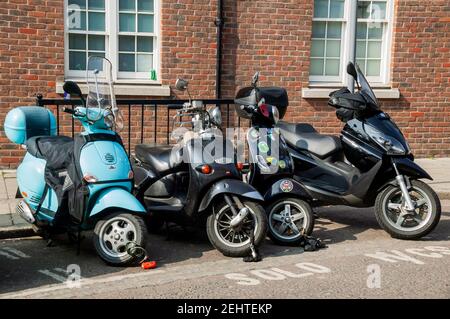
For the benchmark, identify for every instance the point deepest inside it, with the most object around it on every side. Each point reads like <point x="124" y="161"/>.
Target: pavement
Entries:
<point x="12" y="225"/>
<point x="361" y="261"/>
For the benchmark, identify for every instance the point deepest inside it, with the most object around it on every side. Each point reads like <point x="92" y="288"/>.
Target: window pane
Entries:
<point x="337" y="8"/>
<point x="145" y="44"/>
<point x="77" y="20"/>
<point x="361" y="30"/>
<point x="362" y="64"/>
<point x="80" y="3"/>
<point x="96" y="64"/>
<point x="96" y="43"/>
<point x="363" y="9"/>
<point x="96" y="21"/>
<point x="145" y="23"/>
<point x="321" y="9"/>
<point x="334" y="30"/>
<point x="361" y="49"/>
<point x="145" y="62"/>
<point x="77" y="41"/>
<point x="334" y="49"/>
<point x="96" y="4"/>
<point x="318" y="30"/>
<point x="318" y="48"/>
<point x="332" y="67"/>
<point x="378" y="10"/>
<point x="77" y="60"/>
<point x="375" y="31"/>
<point x="126" y="44"/>
<point x="126" y="62"/>
<point x="374" y="49"/>
<point x="373" y="68"/>
<point x="145" y="5"/>
<point x="316" y="67"/>
<point x="127" y="5"/>
<point x="127" y="22"/>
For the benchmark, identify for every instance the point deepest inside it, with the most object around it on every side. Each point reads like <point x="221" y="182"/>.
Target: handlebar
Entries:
<point x="70" y="111"/>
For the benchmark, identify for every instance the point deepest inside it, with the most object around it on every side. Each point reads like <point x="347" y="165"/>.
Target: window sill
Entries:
<point x="382" y="93"/>
<point x="126" y="89"/>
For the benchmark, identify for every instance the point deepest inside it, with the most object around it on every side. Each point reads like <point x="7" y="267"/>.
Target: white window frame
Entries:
<point x="111" y="34"/>
<point x="384" y="78"/>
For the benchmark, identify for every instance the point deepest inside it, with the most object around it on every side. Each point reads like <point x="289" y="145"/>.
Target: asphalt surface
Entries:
<point x="361" y="261"/>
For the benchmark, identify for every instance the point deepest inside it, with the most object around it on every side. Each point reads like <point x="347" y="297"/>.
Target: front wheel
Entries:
<point x="235" y="241"/>
<point x="115" y="233"/>
<point x="393" y="217"/>
<point x="289" y="220"/>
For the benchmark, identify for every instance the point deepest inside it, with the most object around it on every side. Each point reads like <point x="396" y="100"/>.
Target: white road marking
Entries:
<point x="17" y="252"/>
<point x="9" y="256"/>
<point x="53" y="275"/>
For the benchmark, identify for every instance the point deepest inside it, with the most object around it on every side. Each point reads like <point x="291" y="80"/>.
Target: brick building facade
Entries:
<point x="404" y="46"/>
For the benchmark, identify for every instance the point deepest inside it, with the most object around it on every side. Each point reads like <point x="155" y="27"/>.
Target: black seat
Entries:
<point x="160" y="158"/>
<point x="50" y="148"/>
<point x="304" y="137"/>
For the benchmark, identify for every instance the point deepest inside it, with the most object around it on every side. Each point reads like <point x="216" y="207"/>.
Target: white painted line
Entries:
<point x="53" y="275"/>
<point x="9" y="256"/>
<point x="16" y="252"/>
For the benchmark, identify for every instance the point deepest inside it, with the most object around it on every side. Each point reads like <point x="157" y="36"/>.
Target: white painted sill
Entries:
<point x="138" y="89"/>
<point x="324" y="92"/>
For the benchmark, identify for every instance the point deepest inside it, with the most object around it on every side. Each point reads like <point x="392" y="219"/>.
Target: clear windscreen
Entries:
<point x="101" y="91"/>
<point x="366" y="89"/>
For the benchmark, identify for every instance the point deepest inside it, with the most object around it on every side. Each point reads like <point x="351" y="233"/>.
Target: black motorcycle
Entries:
<point x="371" y="164"/>
<point x="197" y="181"/>
<point x="270" y="169"/>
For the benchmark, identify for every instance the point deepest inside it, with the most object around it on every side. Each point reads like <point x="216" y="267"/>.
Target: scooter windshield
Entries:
<point x="366" y="89"/>
<point x="101" y="93"/>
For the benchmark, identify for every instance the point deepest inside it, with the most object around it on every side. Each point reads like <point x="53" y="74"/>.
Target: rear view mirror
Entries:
<point x="352" y="70"/>
<point x="181" y="85"/>
<point x="72" y="88"/>
<point x="255" y="79"/>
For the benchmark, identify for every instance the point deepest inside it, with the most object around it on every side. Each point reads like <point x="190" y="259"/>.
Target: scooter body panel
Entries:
<point x="115" y="197"/>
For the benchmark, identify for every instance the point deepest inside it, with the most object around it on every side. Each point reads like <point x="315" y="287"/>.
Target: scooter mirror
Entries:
<point x="255" y="79"/>
<point x="352" y="70"/>
<point x="72" y="88"/>
<point x="181" y="85"/>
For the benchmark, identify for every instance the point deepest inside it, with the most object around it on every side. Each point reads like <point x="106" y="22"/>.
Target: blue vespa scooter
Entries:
<point x="85" y="183"/>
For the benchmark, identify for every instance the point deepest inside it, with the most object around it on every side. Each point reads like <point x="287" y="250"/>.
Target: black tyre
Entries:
<point x="236" y="242"/>
<point x="397" y="221"/>
<point x="288" y="220"/>
<point x="114" y="233"/>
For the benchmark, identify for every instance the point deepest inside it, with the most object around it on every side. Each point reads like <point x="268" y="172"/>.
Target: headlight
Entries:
<point x="216" y="116"/>
<point x="388" y="143"/>
<point x="109" y="120"/>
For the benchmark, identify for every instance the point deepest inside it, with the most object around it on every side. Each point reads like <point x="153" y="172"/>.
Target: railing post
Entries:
<point x="39" y="99"/>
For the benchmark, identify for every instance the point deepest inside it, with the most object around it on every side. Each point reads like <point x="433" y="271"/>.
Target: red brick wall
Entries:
<point x="272" y="36"/>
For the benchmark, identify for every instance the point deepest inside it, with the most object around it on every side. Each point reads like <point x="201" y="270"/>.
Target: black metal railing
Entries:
<point x="143" y="116"/>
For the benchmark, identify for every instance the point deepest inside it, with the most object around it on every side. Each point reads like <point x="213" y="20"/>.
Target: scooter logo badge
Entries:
<point x="286" y="186"/>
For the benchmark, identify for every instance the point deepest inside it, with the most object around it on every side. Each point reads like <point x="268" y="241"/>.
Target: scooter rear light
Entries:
<point x="240" y="166"/>
<point x="90" y="178"/>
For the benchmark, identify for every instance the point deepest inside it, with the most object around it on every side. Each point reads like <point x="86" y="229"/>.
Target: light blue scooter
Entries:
<point x="83" y="183"/>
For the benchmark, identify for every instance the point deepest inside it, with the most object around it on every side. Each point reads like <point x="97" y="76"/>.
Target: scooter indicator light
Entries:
<point x="130" y="174"/>
<point x="240" y="166"/>
<point x="205" y="169"/>
<point x="90" y="178"/>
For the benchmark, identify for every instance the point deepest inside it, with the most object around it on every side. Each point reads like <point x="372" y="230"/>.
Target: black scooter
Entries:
<point x="371" y="164"/>
<point x="270" y="169"/>
<point x="197" y="181"/>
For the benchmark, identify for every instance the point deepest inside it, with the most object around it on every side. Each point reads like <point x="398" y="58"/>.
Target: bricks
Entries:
<point x="270" y="36"/>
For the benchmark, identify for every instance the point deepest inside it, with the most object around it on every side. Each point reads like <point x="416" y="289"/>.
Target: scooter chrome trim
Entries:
<point x="25" y="212"/>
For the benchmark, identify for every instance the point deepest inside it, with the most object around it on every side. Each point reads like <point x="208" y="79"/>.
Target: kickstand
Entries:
<point x="255" y="256"/>
<point x="167" y="228"/>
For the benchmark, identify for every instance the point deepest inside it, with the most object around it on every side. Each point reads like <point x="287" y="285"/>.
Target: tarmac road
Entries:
<point x="362" y="261"/>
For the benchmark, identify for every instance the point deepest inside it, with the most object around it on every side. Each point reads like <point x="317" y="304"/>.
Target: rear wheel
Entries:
<point x="235" y="241"/>
<point x="393" y="217"/>
<point x="289" y="219"/>
<point x="115" y="233"/>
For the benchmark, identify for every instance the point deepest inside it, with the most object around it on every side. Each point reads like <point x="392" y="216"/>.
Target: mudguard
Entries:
<point x="229" y="186"/>
<point x="409" y="168"/>
<point x="116" y="198"/>
<point x="287" y="186"/>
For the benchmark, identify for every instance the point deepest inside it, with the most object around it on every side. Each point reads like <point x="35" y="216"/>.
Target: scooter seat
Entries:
<point x="304" y="137"/>
<point x="50" y="148"/>
<point x="160" y="158"/>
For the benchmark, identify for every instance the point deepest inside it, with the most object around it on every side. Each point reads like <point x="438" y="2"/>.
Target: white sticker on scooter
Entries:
<point x="286" y="186"/>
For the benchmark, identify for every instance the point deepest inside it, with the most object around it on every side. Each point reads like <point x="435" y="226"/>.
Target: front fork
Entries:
<point x="410" y="205"/>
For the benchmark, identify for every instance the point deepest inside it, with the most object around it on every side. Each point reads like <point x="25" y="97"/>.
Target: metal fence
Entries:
<point x="144" y="113"/>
